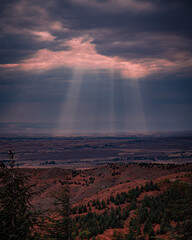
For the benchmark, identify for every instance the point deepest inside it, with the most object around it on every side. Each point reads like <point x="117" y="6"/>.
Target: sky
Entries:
<point x="95" y="66"/>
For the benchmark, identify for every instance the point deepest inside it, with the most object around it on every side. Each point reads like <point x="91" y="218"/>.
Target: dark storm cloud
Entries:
<point x="163" y="16"/>
<point x="162" y="31"/>
<point x="16" y="47"/>
<point x="147" y="32"/>
<point x="150" y="34"/>
<point x="130" y="29"/>
<point x="152" y="31"/>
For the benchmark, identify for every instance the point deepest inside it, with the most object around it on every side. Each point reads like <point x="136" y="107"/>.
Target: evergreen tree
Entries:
<point x="147" y="187"/>
<point x="103" y="204"/>
<point x="148" y="226"/>
<point x="130" y="235"/>
<point x="152" y="235"/>
<point x="16" y="216"/>
<point x="112" y="199"/>
<point x="84" y="208"/>
<point x="133" y="204"/>
<point x="93" y="203"/>
<point x="60" y="226"/>
<point x="80" y="209"/>
<point x="163" y="227"/>
<point x="124" y="214"/>
<point x="133" y="224"/>
<point x="151" y="186"/>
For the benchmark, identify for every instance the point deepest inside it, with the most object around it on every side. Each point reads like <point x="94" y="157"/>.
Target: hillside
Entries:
<point x="104" y="180"/>
<point x="115" y="191"/>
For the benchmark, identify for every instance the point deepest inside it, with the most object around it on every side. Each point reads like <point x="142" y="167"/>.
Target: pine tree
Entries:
<point x="93" y="203"/>
<point x="84" y="208"/>
<point x="16" y="216"/>
<point x="89" y="208"/>
<point x="148" y="226"/>
<point x="151" y="186"/>
<point x="130" y="235"/>
<point x="103" y="204"/>
<point x="80" y="209"/>
<point x="152" y="235"/>
<point x="133" y="204"/>
<point x="59" y="225"/>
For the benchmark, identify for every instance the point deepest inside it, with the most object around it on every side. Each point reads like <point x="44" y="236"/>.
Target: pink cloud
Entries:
<point x="83" y="54"/>
<point x="43" y="35"/>
<point x="58" y="26"/>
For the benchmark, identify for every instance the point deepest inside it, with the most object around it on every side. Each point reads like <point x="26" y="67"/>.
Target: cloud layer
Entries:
<point x="114" y="43"/>
<point x="83" y="54"/>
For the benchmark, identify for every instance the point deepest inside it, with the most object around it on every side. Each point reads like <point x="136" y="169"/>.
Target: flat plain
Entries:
<point x="89" y="152"/>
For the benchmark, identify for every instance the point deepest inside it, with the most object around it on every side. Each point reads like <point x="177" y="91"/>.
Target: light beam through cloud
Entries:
<point x="111" y="100"/>
<point x="139" y="123"/>
<point x="68" y="110"/>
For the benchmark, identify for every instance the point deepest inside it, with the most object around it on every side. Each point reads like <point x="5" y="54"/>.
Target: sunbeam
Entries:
<point x="111" y="102"/>
<point x="67" y="118"/>
<point x="139" y="121"/>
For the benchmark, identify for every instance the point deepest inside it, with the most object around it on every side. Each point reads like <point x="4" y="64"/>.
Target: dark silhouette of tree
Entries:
<point x="17" y="219"/>
<point x="152" y="235"/>
<point x="59" y="226"/>
<point x="103" y="204"/>
<point x="148" y="226"/>
<point x="130" y="235"/>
